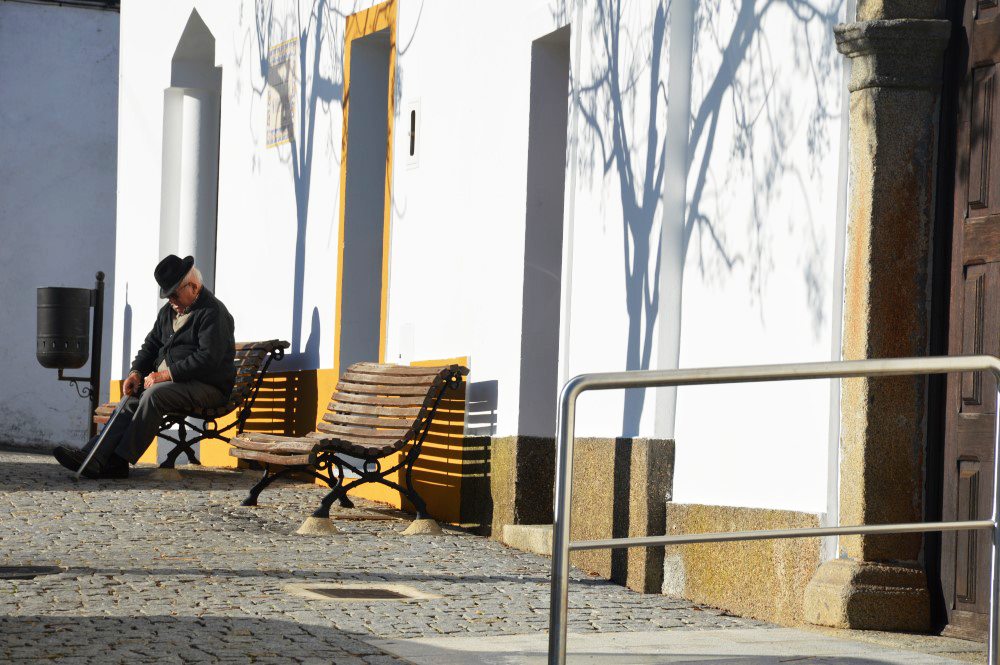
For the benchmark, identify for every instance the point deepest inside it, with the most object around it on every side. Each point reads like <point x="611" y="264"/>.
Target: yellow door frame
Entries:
<point x="361" y="24"/>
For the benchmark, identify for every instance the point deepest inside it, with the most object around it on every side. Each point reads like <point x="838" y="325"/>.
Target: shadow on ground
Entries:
<point x="100" y="639"/>
<point x="47" y="475"/>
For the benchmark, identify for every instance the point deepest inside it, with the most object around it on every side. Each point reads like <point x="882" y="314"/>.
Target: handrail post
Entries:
<point x="992" y="637"/>
<point x="563" y="501"/>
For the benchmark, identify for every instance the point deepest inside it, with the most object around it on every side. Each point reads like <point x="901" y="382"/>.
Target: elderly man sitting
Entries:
<point x="185" y="362"/>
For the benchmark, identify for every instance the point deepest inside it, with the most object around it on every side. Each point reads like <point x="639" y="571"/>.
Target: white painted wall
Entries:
<point x="277" y="207"/>
<point x="758" y="281"/>
<point x="759" y="278"/>
<point x="459" y="217"/>
<point x="59" y="74"/>
<point x="758" y="269"/>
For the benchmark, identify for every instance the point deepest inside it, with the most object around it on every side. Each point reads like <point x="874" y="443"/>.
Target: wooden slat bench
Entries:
<point x="375" y="411"/>
<point x="252" y="361"/>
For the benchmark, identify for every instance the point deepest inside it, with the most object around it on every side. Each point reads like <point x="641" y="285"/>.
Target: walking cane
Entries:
<point x="100" y="439"/>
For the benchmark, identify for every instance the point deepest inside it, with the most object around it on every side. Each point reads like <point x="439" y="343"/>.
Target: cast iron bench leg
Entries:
<point x="264" y="481"/>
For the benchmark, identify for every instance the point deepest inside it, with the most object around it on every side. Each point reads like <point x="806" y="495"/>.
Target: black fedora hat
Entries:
<point x="170" y="272"/>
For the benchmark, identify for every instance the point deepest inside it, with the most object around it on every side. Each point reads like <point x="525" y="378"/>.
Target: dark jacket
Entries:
<point x="203" y="350"/>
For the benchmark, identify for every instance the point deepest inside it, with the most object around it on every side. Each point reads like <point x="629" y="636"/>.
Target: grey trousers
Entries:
<point x="140" y="420"/>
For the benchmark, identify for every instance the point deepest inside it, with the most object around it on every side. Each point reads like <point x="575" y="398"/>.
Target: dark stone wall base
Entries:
<point x="619" y="489"/>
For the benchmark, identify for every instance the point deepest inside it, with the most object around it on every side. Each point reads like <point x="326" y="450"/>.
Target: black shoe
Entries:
<point x="71" y="458"/>
<point x="116" y="468"/>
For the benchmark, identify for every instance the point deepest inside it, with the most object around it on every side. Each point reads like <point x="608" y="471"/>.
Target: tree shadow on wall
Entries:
<point x="623" y="102"/>
<point x="314" y="43"/>
<point x="317" y="61"/>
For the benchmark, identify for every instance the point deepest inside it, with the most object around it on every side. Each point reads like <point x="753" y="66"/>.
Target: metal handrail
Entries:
<point x="561" y="544"/>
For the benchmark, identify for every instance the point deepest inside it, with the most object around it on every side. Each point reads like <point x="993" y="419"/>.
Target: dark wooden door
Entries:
<point x="974" y="321"/>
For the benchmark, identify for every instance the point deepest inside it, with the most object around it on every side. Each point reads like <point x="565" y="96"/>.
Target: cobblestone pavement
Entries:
<point x="179" y="572"/>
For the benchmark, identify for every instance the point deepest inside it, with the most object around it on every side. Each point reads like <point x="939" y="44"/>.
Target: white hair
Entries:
<point x="194" y="275"/>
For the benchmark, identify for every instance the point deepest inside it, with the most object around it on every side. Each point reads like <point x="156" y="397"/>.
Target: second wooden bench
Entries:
<point x="375" y="411"/>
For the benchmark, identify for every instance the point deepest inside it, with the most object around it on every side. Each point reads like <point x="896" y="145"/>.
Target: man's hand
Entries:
<point x="156" y="377"/>
<point x="131" y="385"/>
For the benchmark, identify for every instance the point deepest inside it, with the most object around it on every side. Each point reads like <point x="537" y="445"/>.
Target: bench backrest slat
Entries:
<point x="351" y="408"/>
<point x="398" y="401"/>
<point x="381" y="421"/>
<point x="395" y="370"/>
<point x="388" y="379"/>
<point x="347" y="432"/>
<point x="381" y="389"/>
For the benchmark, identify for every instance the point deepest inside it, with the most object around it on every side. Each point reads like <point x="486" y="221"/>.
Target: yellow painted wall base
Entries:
<point x="216" y="453"/>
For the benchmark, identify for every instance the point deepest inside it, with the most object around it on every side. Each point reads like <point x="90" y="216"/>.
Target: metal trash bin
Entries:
<point x="63" y="335"/>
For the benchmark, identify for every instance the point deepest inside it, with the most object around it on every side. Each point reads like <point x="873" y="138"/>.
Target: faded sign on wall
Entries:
<point x="282" y="87"/>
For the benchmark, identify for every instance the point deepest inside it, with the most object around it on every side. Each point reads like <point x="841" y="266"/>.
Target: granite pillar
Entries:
<point x="896" y="72"/>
